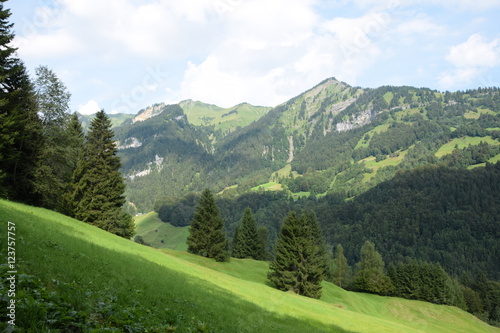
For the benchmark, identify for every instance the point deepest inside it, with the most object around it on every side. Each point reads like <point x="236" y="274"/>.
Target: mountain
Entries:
<point x="222" y="120"/>
<point x="333" y="138"/>
<point x="74" y="277"/>
<point x="117" y="119"/>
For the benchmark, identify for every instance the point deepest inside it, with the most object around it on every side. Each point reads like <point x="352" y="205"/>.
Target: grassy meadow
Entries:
<point x="464" y="142"/>
<point x="159" y="234"/>
<point x="119" y="285"/>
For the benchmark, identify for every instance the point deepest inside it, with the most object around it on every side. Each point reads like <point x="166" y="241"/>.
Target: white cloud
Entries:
<point x="475" y="52"/>
<point x="59" y="43"/>
<point x="470" y="59"/>
<point x="273" y="54"/>
<point x="90" y="107"/>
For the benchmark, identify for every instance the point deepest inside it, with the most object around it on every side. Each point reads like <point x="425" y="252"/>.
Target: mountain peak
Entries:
<point x="149" y="112"/>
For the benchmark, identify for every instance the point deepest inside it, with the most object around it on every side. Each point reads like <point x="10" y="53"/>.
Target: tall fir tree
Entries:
<point x="369" y="275"/>
<point x="76" y="154"/>
<point x="263" y="233"/>
<point x="247" y="243"/>
<point x="342" y="271"/>
<point x="206" y="231"/>
<point x="299" y="263"/>
<point x="98" y="189"/>
<point x="21" y="136"/>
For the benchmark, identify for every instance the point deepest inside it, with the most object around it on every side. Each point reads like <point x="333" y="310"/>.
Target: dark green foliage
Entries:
<point x="426" y="282"/>
<point x="21" y="136"/>
<point x="177" y="211"/>
<point x="299" y="264"/>
<point x="206" y="231"/>
<point x="76" y="140"/>
<point x="247" y="243"/>
<point x="431" y="213"/>
<point x="369" y="275"/>
<point x="486" y="299"/>
<point x="97" y="193"/>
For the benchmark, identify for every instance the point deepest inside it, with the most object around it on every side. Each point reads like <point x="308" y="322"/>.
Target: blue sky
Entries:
<point x="123" y="55"/>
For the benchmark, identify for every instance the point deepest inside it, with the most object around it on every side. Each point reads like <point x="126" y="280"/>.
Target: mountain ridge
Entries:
<point x="322" y="133"/>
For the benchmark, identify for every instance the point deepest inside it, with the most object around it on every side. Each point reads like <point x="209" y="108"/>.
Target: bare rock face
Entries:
<point x="149" y="112"/>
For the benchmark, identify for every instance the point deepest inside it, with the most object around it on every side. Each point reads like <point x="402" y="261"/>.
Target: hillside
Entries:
<point x="116" y="119"/>
<point x="73" y="276"/>
<point x="333" y="138"/>
<point x="222" y="120"/>
<point x="158" y="234"/>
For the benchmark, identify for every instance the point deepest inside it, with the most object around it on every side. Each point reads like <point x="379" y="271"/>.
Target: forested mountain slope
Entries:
<point x="333" y="138"/>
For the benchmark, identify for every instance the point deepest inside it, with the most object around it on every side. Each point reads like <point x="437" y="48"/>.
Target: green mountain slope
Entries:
<point x="159" y="234"/>
<point x="333" y="138"/>
<point x="224" y="120"/>
<point x="116" y="119"/>
<point x="74" y="275"/>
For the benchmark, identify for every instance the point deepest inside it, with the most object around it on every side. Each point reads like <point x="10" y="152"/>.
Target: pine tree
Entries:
<point x="206" y="231"/>
<point x="247" y="244"/>
<point x="76" y="139"/>
<point x="98" y="189"/>
<point x="342" y="270"/>
<point x="369" y="275"/>
<point x="263" y="233"/>
<point x="20" y="127"/>
<point x="298" y="265"/>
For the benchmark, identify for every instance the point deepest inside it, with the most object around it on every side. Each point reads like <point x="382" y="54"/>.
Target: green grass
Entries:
<point x="160" y="234"/>
<point x="478" y="113"/>
<point x="92" y="270"/>
<point x="270" y="186"/>
<point x="371" y="163"/>
<point x="379" y="129"/>
<point x="464" y="142"/>
<point x="202" y="114"/>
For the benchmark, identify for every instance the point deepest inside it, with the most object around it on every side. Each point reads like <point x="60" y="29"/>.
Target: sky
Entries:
<point x="124" y="55"/>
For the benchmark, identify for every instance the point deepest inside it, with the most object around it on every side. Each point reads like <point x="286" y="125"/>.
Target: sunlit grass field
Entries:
<point x="194" y="294"/>
<point x="159" y="234"/>
<point x="464" y="142"/>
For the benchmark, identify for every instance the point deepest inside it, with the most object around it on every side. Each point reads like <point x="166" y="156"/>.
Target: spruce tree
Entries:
<point x="206" y="231"/>
<point x="98" y="190"/>
<point x="76" y="139"/>
<point x="299" y="263"/>
<point x="21" y="136"/>
<point x="247" y="243"/>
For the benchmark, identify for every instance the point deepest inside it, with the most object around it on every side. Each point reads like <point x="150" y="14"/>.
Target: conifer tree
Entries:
<point x="247" y="244"/>
<point x="299" y="265"/>
<point x="76" y="139"/>
<point x="206" y="231"/>
<point x="98" y="189"/>
<point x="369" y="275"/>
<point x="20" y="127"/>
<point x="342" y="269"/>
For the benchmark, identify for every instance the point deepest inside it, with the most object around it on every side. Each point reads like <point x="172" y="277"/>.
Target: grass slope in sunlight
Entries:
<point x="159" y="234"/>
<point x="115" y="283"/>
